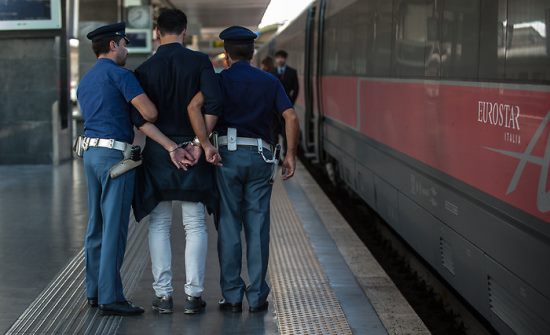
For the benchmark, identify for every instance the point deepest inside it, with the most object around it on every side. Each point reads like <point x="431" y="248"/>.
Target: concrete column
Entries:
<point x="34" y="72"/>
<point x="93" y="13"/>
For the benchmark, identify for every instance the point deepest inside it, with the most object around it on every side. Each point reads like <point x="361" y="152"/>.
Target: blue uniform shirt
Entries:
<point x="104" y="94"/>
<point x="254" y="101"/>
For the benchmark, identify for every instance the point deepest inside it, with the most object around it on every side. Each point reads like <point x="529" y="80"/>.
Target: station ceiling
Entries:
<point x="216" y="14"/>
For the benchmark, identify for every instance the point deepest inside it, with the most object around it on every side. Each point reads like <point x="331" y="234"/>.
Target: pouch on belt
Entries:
<point x="78" y="147"/>
<point x="275" y="163"/>
<point x="132" y="159"/>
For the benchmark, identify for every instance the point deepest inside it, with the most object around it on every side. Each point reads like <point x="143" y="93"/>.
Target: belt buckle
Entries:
<point x="231" y="139"/>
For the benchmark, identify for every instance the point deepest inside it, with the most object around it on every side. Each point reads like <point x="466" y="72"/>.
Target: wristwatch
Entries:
<point x="196" y="142"/>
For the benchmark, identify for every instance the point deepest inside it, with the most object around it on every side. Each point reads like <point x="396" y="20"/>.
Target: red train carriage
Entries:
<point x="437" y="113"/>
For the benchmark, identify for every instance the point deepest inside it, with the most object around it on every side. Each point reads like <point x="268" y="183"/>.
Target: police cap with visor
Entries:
<point x="238" y="35"/>
<point x="111" y="30"/>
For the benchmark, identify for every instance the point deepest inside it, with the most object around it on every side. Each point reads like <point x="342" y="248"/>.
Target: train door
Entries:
<point x="312" y="81"/>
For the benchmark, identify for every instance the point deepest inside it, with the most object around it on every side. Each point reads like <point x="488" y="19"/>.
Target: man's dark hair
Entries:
<point x="239" y="50"/>
<point x="281" y="53"/>
<point x="268" y="63"/>
<point x="172" y="21"/>
<point x="102" y="46"/>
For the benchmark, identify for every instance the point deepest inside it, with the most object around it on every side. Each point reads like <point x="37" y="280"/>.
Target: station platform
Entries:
<point x="323" y="279"/>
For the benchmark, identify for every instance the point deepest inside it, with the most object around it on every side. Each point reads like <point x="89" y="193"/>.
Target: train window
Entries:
<point x="459" y="38"/>
<point x="330" y="57"/>
<point x="527" y="40"/>
<point x="380" y="41"/>
<point x="347" y="37"/>
<point x="340" y="43"/>
<point x="296" y="53"/>
<point x="492" y="39"/>
<point x="358" y="14"/>
<point x="416" y="51"/>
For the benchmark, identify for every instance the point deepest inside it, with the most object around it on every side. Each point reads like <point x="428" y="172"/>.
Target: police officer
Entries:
<point x="104" y="93"/>
<point x="253" y="100"/>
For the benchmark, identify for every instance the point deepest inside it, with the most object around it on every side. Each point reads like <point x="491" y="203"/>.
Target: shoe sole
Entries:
<point x="260" y="309"/>
<point x="194" y="311"/>
<point x="257" y="310"/>
<point x="231" y="309"/>
<point x="112" y="313"/>
<point x="162" y="310"/>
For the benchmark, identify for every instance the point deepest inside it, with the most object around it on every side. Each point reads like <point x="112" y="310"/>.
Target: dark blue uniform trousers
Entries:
<point x="245" y="195"/>
<point x="109" y="202"/>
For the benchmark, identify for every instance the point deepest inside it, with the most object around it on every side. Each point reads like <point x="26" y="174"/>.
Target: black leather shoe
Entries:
<point x="262" y="308"/>
<point x="233" y="308"/>
<point x="92" y="302"/>
<point x="125" y="308"/>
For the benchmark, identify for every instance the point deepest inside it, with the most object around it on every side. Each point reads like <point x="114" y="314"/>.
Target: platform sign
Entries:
<point x="30" y="14"/>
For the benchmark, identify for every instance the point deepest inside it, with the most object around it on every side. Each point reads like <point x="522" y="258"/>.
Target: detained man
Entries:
<point x="173" y="167"/>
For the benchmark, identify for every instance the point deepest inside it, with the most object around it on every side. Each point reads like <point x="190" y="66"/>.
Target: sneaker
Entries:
<point x="163" y="305"/>
<point x="194" y="305"/>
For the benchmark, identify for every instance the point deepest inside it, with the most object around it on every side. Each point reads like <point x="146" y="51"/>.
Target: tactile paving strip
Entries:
<point x="304" y="300"/>
<point x="62" y="307"/>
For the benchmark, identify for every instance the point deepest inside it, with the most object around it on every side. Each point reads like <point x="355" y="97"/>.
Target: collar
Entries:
<point x="169" y="46"/>
<point x="241" y="63"/>
<point x="106" y="60"/>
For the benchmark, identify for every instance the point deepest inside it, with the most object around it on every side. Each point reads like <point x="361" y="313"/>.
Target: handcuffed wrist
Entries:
<point x="180" y="145"/>
<point x="196" y="142"/>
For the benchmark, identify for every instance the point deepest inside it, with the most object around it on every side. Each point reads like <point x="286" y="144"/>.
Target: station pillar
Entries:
<point x="34" y="94"/>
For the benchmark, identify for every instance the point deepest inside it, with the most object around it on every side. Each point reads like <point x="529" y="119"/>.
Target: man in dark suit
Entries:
<point x="287" y="75"/>
<point x="289" y="78"/>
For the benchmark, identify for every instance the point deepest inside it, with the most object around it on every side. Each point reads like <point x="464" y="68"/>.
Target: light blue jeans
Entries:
<point x="196" y="246"/>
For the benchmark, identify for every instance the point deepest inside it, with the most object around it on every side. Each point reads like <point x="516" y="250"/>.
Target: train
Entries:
<point x="437" y="114"/>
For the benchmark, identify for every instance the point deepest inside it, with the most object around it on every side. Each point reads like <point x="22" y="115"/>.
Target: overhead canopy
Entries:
<point x="211" y="14"/>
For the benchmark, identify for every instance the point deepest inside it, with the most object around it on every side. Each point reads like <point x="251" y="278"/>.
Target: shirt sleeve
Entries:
<point x="210" y="88"/>
<point x="129" y="85"/>
<point x="282" y="102"/>
<point x="135" y="116"/>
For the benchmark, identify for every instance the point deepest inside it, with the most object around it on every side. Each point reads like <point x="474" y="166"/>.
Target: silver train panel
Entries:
<point x="479" y="253"/>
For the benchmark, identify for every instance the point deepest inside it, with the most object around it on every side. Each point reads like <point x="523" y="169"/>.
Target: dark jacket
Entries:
<point x="290" y="82"/>
<point x="171" y="78"/>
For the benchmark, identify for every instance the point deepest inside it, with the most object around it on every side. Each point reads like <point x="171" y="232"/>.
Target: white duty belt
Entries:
<point x="104" y="143"/>
<point x="251" y="142"/>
